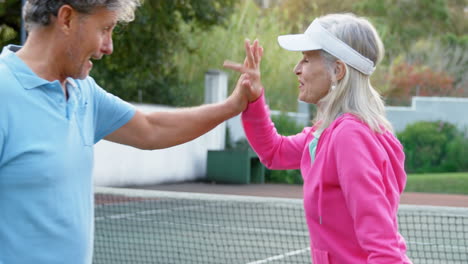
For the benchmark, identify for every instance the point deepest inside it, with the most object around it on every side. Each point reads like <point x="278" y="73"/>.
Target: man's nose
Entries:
<point x="107" y="47"/>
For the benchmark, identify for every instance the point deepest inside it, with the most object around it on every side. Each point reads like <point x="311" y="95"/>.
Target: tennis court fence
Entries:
<point x="144" y="226"/>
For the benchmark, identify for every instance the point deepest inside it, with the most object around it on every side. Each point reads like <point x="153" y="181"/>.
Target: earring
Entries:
<point x="333" y="86"/>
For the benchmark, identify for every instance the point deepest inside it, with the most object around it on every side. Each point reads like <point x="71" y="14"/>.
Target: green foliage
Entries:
<point x="406" y="80"/>
<point x="425" y="33"/>
<point x="163" y="55"/>
<point x="434" y="147"/>
<point x="403" y="21"/>
<point x="457" y="155"/>
<point x="10" y="22"/>
<point x="142" y="63"/>
<point x="283" y="176"/>
<point x="448" y="55"/>
<point x="452" y="183"/>
<point x="427" y="27"/>
<point x="285" y="126"/>
<point x="428" y="68"/>
<point x="208" y="49"/>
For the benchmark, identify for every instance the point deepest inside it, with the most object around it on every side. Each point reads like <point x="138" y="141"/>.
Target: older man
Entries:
<point x="51" y="115"/>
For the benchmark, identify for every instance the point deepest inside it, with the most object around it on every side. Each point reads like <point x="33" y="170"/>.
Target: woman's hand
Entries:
<point x="249" y="83"/>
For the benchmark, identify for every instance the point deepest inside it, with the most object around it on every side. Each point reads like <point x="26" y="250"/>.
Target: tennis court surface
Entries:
<point x="146" y="226"/>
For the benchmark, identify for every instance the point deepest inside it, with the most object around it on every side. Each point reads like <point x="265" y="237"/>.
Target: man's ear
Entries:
<point x="66" y="16"/>
<point x="340" y="70"/>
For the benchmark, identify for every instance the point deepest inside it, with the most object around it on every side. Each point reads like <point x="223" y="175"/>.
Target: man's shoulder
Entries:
<point x="4" y="69"/>
<point x="7" y="78"/>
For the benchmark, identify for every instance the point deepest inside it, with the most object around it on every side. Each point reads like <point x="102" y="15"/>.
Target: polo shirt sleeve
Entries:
<point x="110" y="112"/>
<point x="2" y="140"/>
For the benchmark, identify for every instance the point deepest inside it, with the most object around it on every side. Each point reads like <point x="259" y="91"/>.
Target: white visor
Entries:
<point x="317" y="37"/>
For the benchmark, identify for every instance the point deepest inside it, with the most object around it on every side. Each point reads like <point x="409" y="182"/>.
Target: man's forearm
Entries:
<point x="182" y="125"/>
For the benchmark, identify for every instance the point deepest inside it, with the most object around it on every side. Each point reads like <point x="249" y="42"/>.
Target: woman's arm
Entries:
<point x="275" y="151"/>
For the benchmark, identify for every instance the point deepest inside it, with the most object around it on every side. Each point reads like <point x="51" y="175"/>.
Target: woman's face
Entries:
<point x="314" y="79"/>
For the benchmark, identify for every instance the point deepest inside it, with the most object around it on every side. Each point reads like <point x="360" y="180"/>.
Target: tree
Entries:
<point x="401" y="22"/>
<point x="10" y="22"/>
<point x="141" y="67"/>
<point x="143" y="49"/>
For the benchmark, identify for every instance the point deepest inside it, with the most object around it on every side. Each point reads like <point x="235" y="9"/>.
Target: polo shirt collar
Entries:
<point x="23" y="73"/>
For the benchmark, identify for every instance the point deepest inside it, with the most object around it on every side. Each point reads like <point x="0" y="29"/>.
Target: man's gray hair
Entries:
<point x="40" y="12"/>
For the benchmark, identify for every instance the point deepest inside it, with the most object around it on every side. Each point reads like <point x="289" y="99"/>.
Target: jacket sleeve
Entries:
<point x="360" y="164"/>
<point x="275" y="151"/>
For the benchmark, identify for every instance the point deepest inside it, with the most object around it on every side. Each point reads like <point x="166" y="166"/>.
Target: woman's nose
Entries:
<point x="297" y="69"/>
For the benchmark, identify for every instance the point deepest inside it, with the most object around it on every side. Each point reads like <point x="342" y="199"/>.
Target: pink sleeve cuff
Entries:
<point x="256" y="109"/>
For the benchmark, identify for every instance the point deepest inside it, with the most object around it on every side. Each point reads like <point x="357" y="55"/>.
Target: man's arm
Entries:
<point x="166" y="129"/>
<point x="159" y="130"/>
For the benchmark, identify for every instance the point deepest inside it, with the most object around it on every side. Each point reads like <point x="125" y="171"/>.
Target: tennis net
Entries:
<point x="145" y="226"/>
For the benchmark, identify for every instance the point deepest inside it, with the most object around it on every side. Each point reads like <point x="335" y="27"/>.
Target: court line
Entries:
<point x="438" y="245"/>
<point x="281" y="256"/>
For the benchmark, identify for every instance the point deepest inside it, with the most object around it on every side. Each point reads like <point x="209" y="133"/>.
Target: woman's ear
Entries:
<point x="340" y="70"/>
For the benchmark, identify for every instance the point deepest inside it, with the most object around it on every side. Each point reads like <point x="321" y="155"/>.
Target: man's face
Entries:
<point x="91" y="38"/>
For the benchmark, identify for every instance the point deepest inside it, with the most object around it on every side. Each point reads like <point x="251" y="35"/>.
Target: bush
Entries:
<point x="434" y="147"/>
<point x="285" y="126"/>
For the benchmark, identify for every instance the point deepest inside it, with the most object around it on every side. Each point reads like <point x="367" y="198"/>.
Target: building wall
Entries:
<point x="448" y="109"/>
<point x="118" y="165"/>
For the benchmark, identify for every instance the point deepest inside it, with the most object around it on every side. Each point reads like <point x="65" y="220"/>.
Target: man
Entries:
<point x="51" y="115"/>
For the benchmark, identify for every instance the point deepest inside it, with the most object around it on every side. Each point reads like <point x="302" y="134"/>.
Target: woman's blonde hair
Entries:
<point x="353" y="93"/>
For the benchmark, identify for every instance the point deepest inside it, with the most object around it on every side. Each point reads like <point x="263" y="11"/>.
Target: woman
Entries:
<point x="351" y="163"/>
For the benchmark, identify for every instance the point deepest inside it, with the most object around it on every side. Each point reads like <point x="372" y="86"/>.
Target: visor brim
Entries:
<point x="298" y="42"/>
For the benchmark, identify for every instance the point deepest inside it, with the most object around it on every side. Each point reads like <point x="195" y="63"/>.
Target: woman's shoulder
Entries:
<point x="348" y="123"/>
<point x="349" y="127"/>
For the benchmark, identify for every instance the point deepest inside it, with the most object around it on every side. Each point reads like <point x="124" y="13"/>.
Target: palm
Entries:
<point x="249" y="82"/>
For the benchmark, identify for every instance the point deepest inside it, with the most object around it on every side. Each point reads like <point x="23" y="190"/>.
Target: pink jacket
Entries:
<point x="351" y="190"/>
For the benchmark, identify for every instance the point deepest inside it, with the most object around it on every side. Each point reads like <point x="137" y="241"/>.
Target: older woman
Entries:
<point x="351" y="162"/>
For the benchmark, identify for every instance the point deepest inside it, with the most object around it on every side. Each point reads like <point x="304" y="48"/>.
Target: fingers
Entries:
<point x="238" y="67"/>
<point x="256" y="54"/>
<point x="249" y="53"/>
<point x="232" y="65"/>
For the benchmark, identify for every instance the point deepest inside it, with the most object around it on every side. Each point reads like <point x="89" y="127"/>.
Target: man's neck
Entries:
<point x="41" y="55"/>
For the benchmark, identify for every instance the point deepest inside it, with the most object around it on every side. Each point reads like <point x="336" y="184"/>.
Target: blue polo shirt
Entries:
<point x="46" y="162"/>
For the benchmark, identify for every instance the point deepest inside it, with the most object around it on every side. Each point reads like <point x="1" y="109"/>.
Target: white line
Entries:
<point x="281" y="256"/>
<point x="140" y="193"/>
<point x="463" y="247"/>
<point x="146" y="212"/>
